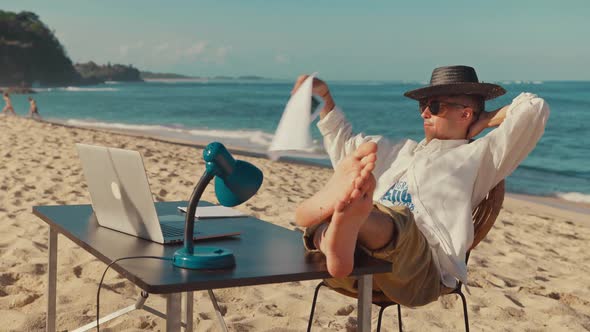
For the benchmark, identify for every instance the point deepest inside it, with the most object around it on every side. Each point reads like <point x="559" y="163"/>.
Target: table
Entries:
<point x="264" y="253"/>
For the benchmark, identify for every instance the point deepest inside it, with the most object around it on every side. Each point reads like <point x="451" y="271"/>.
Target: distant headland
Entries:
<point x="32" y="56"/>
<point x="148" y="75"/>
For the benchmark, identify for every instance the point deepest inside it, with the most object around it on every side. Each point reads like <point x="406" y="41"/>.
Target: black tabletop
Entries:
<point x="264" y="253"/>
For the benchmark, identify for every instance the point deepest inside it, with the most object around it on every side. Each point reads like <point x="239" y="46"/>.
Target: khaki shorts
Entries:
<point x="414" y="279"/>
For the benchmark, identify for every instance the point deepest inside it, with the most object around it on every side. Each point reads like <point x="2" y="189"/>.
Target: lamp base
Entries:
<point x="204" y="258"/>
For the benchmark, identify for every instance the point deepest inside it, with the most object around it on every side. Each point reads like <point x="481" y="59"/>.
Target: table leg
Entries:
<point x="189" y="312"/>
<point x="365" y="283"/>
<point x="173" y="312"/>
<point x="51" y="281"/>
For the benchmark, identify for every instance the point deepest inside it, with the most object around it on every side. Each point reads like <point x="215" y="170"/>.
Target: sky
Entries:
<point x="342" y="40"/>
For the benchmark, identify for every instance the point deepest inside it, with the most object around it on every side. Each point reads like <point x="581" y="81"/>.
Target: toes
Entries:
<point x="340" y="206"/>
<point x="365" y="149"/>
<point x="368" y="185"/>
<point x="370" y="158"/>
<point x="370" y="166"/>
<point x="356" y="193"/>
<point x="366" y="188"/>
<point x="365" y="175"/>
<point x="358" y="182"/>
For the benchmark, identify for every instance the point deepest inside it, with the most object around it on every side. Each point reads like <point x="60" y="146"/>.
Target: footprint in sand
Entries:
<point x="36" y="269"/>
<point x="9" y="278"/>
<point x="345" y="311"/>
<point x="512" y="297"/>
<point x="116" y="287"/>
<point x="513" y="313"/>
<point x="541" y="278"/>
<point x="21" y="300"/>
<point x="204" y="316"/>
<point x="77" y="271"/>
<point x="271" y="310"/>
<point x="258" y="209"/>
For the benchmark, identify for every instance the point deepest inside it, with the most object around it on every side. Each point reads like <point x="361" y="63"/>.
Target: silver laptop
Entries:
<point x="122" y="200"/>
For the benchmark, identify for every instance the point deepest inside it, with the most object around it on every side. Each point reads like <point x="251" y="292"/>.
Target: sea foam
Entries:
<point x="78" y="89"/>
<point x="574" y="197"/>
<point x="248" y="139"/>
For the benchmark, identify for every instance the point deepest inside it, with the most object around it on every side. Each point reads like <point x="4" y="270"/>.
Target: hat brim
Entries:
<point x="486" y="90"/>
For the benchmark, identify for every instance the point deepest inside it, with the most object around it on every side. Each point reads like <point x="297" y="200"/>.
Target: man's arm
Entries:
<point x="488" y="120"/>
<point x="339" y="139"/>
<point x="520" y="126"/>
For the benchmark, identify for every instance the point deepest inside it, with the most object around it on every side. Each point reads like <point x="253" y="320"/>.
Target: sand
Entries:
<point x="531" y="273"/>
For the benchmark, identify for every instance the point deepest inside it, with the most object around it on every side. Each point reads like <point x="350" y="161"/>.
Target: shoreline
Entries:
<point x="553" y="203"/>
<point x="199" y="144"/>
<point x="547" y="201"/>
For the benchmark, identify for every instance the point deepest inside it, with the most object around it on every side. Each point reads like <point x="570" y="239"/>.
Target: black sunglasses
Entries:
<point x="435" y="106"/>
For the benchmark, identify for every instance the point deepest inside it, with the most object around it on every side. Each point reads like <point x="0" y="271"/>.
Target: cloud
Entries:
<point x="221" y="53"/>
<point x="194" y="50"/>
<point x="159" y="53"/>
<point x="281" y="58"/>
<point x="124" y="50"/>
<point x="162" y="47"/>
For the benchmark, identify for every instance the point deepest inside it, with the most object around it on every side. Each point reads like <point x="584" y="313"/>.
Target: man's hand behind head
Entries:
<point x="487" y="120"/>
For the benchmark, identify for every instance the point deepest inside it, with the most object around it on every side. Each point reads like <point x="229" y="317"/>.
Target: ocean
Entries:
<point x="245" y="114"/>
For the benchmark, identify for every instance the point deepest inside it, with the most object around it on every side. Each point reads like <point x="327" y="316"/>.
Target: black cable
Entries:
<point x="104" y="274"/>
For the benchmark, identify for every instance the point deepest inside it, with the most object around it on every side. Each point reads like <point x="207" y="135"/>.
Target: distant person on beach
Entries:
<point x="8" y="109"/>
<point x="33" y="109"/>
<point x="410" y="202"/>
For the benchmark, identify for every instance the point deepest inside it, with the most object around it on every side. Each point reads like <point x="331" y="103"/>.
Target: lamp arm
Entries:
<point x="189" y="223"/>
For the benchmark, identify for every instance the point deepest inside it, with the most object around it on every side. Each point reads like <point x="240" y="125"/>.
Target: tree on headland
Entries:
<point x="108" y="72"/>
<point x="30" y="53"/>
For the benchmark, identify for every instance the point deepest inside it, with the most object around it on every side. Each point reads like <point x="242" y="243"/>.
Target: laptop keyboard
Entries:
<point x="173" y="229"/>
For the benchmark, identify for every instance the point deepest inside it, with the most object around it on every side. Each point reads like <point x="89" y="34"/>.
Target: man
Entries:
<point x="33" y="110"/>
<point x="8" y="104"/>
<point x="424" y="192"/>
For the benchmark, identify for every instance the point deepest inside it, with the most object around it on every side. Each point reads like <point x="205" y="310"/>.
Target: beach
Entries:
<point x="531" y="273"/>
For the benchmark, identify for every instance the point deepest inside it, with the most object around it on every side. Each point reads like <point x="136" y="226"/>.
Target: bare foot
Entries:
<point x="340" y="237"/>
<point x="345" y="184"/>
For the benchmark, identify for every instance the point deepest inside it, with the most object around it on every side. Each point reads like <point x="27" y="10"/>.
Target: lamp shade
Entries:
<point x="236" y="180"/>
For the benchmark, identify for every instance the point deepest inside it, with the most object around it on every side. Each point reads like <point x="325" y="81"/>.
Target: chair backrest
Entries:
<point x="486" y="212"/>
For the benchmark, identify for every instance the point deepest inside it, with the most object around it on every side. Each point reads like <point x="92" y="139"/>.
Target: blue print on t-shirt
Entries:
<point x="398" y="195"/>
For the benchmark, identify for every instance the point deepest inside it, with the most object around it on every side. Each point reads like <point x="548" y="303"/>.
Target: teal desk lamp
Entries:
<point x="236" y="182"/>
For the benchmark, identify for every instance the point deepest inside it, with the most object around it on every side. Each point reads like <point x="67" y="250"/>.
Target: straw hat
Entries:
<point x="456" y="80"/>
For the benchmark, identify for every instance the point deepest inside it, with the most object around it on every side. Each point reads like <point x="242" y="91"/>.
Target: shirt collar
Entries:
<point x="440" y="144"/>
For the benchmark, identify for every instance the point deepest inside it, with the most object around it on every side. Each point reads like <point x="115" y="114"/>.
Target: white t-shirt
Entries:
<point x="399" y="195"/>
